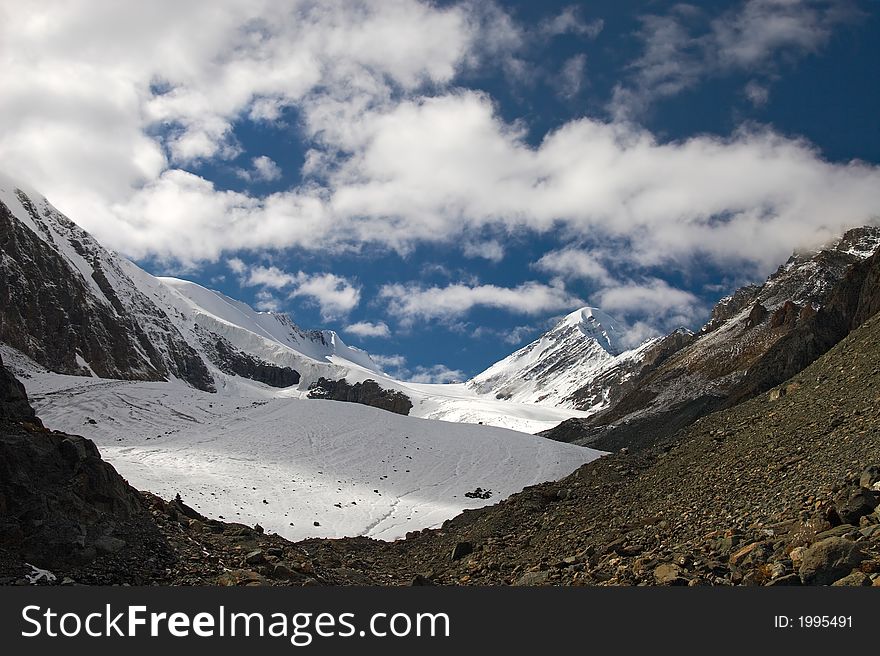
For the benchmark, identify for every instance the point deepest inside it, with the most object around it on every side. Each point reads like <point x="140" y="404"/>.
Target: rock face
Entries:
<point x="14" y="404"/>
<point x="69" y="305"/>
<point x="60" y="503"/>
<point x="756" y="339"/>
<point x="234" y="361"/>
<point x="367" y="393"/>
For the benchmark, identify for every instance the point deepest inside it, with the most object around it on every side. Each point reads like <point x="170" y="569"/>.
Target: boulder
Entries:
<point x="829" y="560"/>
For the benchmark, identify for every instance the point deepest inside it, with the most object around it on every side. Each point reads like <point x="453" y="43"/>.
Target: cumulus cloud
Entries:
<point x="396" y="366"/>
<point x="395" y="361"/>
<point x="369" y="329"/>
<point x="651" y="306"/>
<point x="411" y="302"/>
<point x="491" y="250"/>
<point x="112" y="102"/>
<point x="263" y="169"/>
<point x="757" y="93"/>
<point x="334" y="295"/>
<point x="574" y="263"/>
<point x="685" y="45"/>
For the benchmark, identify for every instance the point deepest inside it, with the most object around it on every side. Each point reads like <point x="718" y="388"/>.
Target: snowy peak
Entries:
<point x="271" y="336"/>
<point x="593" y="324"/>
<point x="546" y="371"/>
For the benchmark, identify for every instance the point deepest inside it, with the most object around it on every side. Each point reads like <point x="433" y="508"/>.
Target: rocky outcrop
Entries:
<point x="60" y="503"/>
<point x="231" y="360"/>
<point x="368" y="393"/>
<point x="14" y="404"/>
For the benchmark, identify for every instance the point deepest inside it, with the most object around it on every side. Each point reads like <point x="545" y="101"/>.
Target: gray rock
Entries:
<point x="860" y="503"/>
<point x="254" y="557"/>
<point x="789" y="579"/>
<point x="828" y="560"/>
<point x="870" y="476"/>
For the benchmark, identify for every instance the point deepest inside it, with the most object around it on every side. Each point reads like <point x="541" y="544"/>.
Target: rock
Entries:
<point x="754" y="552"/>
<point x="255" y="557"/>
<point x="368" y="393"/>
<point x="533" y="578"/>
<point x="420" y="580"/>
<point x="669" y="574"/>
<point x="870" y="476"/>
<point x="461" y="550"/>
<point x="788" y="579"/>
<point x="836" y="532"/>
<point x="797" y="555"/>
<point x="777" y="394"/>
<point x="826" y="561"/>
<point x="283" y="572"/>
<point x="855" y="579"/>
<point x="860" y="503"/>
<point x="278" y="552"/>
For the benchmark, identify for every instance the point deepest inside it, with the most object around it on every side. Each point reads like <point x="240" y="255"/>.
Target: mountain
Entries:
<point x="755" y="339"/>
<point x="576" y="348"/>
<point x="77" y="308"/>
<point x="782" y="489"/>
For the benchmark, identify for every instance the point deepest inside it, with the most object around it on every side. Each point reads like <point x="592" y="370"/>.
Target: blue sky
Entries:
<point x="437" y="182"/>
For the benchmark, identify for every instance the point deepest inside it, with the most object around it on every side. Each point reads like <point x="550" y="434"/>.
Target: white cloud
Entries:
<point x="267" y="302"/>
<point x="491" y="250"/>
<point x="395" y="366"/>
<point x="368" y="329"/>
<point x="436" y="374"/>
<point x="112" y="98"/>
<point x="263" y="169"/>
<point x="236" y="265"/>
<point x="574" y="263"/>
<point x="335" y="295"/>
<point x="270" y="276"/>
<point x="758" y="94"/>
<point x="570" y="21"/>
<point x="572" y="76"/>
<point x="653" y="307"/>
<point x="412" y="302"/>
<point x="394" y="361"/>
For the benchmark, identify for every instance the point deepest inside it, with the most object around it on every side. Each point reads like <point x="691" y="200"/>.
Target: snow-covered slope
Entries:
<point x="577" y="349"/>
<point x="299" y="468"/>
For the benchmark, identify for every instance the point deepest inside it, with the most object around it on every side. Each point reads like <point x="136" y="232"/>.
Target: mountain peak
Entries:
<point x="595" y="324"/>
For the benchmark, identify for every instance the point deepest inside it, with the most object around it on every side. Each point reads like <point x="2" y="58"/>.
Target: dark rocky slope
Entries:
<point x="62" y="506"/>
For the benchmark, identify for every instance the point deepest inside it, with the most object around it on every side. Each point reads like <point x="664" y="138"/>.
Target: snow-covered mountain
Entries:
<point x="546" y="371"/>
<point x="188" y="391"/>
<point x="77" y="308"/>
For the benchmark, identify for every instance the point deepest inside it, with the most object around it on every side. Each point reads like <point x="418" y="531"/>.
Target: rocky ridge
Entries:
<point x="757" y="338"/>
